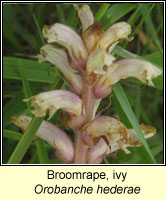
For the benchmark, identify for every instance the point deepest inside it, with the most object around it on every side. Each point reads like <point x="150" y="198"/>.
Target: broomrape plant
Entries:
<point x="91" y="71"/>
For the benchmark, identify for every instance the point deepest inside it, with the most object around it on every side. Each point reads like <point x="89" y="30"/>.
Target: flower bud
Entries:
<point x="92" y="35"/>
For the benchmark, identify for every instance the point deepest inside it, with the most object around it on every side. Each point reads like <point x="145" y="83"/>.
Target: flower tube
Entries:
<point x="51" y="134"/>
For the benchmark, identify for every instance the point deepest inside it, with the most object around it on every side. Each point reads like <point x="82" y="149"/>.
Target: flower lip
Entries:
<point x="54" y="100"/>
<point x="68" y="38"/>
<point x="140" y="69"/>
<point x="107" y="126"/>
<point x="58" y="58"/>
<point x="116" y="32"/>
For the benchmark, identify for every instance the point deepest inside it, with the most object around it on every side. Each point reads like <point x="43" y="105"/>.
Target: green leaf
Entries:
<point x="135" y="16"/>
<point x="25" y="141"/>
<point x="150" y="27"/>
<point x="42" y="152"/>
<point x="121" y="99"/>
<point x="9" y="110"/>
<point x="10" y="37"/>
<point x="101" y="12"/>
<point x="60" y="13"/>
<point x="72" y="20"/>
<point x="26" y="86"/>
<point x="116" y="12"/>
<point x="34" y="71"/>
<point x="143" y="19"/>
<point x="39" y="29"/>
<point x="12" y="135"/>
<point x="24" y="34"/>
<point x="155" y="58"/>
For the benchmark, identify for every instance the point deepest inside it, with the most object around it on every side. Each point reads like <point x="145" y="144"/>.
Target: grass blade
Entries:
<point x="143" y="19"/>
<point x="34" y="71"/>
<point x="26" y="87"/>
<point x="129" y="114"/>
<point x="60" y="13"/>
<point x="25" y="141"/>
<point x="9" y="110"/>
<point x="116" y="12"/>
<point x="42" y="153"/>
<point x="151" y="28"/>
<point x="39" y="29"/>
<point x="101" y="12"/>
<point x="12" y="135"/>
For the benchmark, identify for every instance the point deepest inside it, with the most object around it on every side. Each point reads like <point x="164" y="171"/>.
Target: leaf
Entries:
<point x="12" y="134"/>
<point x="72" y="20"/>
<point x="10" y="37"/>
<point x="25" y="141"/>
<point x="156" y="58"/>
<point x="9" y="110"/>
<point x="142" y="20"/>
<point x="150" y="27"/>
<point x="116" y="12"/>
<point x="102" y="10"/>
<point x="121" y="99"/>
<point x="26" y="86"/>
<point x="24" y="34"/>
<point x="39" y="29"/>
<point x="41" y="151"/>
<point x="34" y="71"/>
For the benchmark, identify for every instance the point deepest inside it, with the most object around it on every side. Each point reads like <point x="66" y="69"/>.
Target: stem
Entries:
<point x="89" y="104"/>
<point x="80" y="150"/>
<point x="89" y="101"/>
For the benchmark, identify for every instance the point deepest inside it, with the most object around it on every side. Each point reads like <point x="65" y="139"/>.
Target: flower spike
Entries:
<point x="91" y="71"/>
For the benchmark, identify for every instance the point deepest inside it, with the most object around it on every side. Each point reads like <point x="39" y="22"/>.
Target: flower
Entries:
<point x="54" y="100"/>
<point x="91" y="71"/>
<point x="57" y="138"/>
<point x="116" y="135"/>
